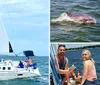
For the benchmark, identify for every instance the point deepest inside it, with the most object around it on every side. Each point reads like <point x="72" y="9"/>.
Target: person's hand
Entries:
<point x="67" y="71"/>
<point x="72" y="68"/>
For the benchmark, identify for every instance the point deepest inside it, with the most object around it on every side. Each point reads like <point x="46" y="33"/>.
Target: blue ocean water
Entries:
<point x="74" y="57"/>
<point x="42" y="62"/>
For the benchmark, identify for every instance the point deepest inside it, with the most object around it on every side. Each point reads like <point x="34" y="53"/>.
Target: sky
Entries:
<point x="27" y="24"/>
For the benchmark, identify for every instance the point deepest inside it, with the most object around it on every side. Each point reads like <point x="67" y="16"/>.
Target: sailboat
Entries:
<point x="10" y="69"/>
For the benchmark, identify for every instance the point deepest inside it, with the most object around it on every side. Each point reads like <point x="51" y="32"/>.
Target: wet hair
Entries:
<point x="61" y="45"/>
<point x="88" y="52"/>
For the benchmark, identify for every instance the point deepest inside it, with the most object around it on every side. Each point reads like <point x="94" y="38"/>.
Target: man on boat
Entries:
<point x="61" y="64"/>
<point x="29" y="62"/>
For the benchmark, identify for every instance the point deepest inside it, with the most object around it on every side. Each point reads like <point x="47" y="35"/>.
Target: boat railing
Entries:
<point x="57" y="78"/>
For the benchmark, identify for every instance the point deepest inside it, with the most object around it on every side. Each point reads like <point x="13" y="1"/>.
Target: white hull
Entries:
<point x="16" y="72"/>
<point x="13" y="75"/>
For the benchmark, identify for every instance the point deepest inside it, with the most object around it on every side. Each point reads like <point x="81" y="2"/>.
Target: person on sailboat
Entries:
<point x="89" y="72"/>
<point x="21" y="65"/>
<point x="29" y="62"/>
<point x="61" y="64"/>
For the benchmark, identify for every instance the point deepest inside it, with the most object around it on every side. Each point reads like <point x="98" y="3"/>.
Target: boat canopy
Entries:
<point x="28" y="53"/>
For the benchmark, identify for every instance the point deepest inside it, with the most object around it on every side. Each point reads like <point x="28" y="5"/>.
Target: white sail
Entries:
<point x="4" y="42"/>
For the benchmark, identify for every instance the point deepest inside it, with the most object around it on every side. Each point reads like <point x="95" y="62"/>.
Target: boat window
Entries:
<point x="20" y="75"/>
<point x="3" y="68"/>
<point x="9" y="68"/>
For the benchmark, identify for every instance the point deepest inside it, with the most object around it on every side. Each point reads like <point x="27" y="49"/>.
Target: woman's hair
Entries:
<point x="88" y="52"/>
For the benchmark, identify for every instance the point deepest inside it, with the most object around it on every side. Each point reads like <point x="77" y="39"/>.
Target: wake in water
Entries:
<point x="74" y="18"/>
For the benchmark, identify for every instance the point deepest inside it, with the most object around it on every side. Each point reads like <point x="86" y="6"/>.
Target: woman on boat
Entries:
<point x="89" y="72"/>
<point x="61" y="64"/>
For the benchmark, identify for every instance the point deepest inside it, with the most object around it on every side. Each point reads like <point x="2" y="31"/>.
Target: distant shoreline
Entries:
<point x="84" y="47"/>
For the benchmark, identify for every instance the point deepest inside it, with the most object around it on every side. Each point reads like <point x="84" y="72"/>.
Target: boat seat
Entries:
<point x="34" y="65"/>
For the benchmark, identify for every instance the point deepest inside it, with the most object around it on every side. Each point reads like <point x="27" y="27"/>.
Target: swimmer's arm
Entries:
<point x="85" y="71"/>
